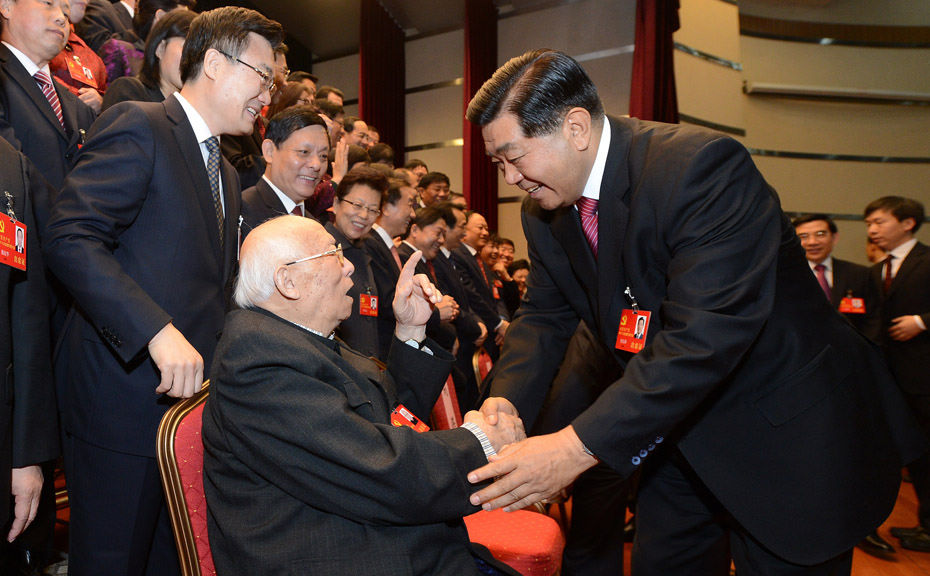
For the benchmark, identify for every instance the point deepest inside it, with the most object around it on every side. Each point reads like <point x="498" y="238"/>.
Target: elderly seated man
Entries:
<point x="314" y="458"/>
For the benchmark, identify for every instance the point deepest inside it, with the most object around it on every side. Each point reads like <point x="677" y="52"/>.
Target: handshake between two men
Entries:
<point x="527" y="470"/>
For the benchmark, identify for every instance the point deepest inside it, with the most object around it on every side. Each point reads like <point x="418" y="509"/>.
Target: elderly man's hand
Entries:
<point x="505" y="430"/>
<point x="26" y="487"/>
<point x="535" y="469"/>
<point x="414" y="299"/>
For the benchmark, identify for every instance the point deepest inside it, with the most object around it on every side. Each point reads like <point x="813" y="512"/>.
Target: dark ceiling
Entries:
<point x="327" y="29"/>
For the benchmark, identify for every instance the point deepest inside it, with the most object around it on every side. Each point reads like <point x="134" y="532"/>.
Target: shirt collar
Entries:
<point x="901" y="252"/>
<point x="289" y="204"/>
<point x="827" y="263"/>
<point x="422" y="257"/>
<point x="130" y="9"/>
<point x="446" y="252"/>
<point x="471" y="250"/>
<point x="30" y="66"/>
<point x="388" y="241"/>
<point x="592" y="188"/>
<point x="201" y="130"/>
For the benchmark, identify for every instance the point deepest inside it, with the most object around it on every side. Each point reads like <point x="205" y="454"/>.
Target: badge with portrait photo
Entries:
<point x="368" y="305"/>
<point x="12" y="242"/>
<point x="634" y="326"/>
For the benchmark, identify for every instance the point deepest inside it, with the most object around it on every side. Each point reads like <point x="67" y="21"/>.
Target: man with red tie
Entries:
<point x="765" y="428"/>
<point x="902" y="280"/>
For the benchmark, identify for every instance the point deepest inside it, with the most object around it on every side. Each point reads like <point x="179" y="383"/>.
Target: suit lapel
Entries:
<point x="269" y="198"/>
<point x="193" y="160"/>
<point x="16" y="72"/>
<point x="907" y="267"/>
<point x="232" y="199"/>
<point x="614" y="214"/>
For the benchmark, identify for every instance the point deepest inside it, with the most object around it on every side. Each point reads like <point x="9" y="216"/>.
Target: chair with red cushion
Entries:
<point x="529" y="542"/>
<point x="180" y="460"/>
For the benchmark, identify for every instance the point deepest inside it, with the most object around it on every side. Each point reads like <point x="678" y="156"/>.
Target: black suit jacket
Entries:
<point x="133" y="237"/>
<point x="28" y="122"/>
<point x="385" y="272"/>
<point x="130" y="88"/>
<point x="358" y="331"/>
<point x="785" y="413"/>
<point x="908" y="295"/>
<point x="481" y="299"/>
<point x="245" y="154"/>
<point x="259" y="203"/>
<point x="299" y="425"/>
<point x="104" y="20"/>
<point x="28" y="419"/>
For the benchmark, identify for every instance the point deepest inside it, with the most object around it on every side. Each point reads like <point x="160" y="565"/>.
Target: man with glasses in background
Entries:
<point x="143" y="234"/>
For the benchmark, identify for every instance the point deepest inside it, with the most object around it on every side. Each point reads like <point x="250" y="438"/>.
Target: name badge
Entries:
<point x="850" y="305"/>
<point x="400" y="416"/>
<point x="368" y="305"/>
<point x="12" y="242"/>
<point x="80" y="72"/>
<point x="634" y="326"/>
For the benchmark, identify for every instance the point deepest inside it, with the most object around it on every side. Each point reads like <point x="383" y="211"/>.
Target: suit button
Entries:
<point x="219" y="335"/>
<point x="635" y="460"/>
<point x="651" y="447"/>
<point x="643" y="453"/>
<point x="659" y="439"/>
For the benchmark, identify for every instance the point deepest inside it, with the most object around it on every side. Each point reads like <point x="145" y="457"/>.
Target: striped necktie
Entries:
<point x="45" y="84"/>
<point x="587" y="207"/>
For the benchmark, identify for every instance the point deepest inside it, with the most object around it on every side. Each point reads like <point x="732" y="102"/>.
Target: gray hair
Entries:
<point x="262" y="254"/>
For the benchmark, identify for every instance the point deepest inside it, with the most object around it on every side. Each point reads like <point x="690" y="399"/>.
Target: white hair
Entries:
<point x="262" y="253"/>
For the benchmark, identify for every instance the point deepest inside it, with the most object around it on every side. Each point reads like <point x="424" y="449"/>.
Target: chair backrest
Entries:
<point x="481" y="363"/>
<point x="180" y="460"/>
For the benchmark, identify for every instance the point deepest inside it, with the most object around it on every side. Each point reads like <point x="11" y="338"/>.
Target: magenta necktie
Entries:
<point x="587" y="207"/>
<point x="297" y="211"/>
<point x="822" y="279"/>
<point x="45" y="84"/>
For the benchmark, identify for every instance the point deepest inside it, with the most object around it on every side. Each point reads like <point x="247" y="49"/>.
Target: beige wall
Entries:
<point x="713" y="93"/>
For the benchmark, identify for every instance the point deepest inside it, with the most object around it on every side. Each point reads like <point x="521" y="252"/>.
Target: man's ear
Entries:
<point x="268" y="150"/>
<point x="212" y="61"/>
<point x="284" y="283"/>
<point x="577" y="128"/>
<point x="912" y="222"/>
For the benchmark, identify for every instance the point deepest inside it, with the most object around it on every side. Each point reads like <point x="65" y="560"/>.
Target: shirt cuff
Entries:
<point x="482" y="438"/>
<point x="419" y="346"/>
<point x="920" y="322"/>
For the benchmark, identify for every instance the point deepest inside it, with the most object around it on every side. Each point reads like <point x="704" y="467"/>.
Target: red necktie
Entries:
<point x="45" y="84"/>
<point x="587" y="207"/>
<point x="396" y="257"/>
<point x="481" y="267"/>
<point x="822" y="279"/>
<point x="888" y="276"/>
<point x="297" y="211"/>
<point x="432" y="271"/>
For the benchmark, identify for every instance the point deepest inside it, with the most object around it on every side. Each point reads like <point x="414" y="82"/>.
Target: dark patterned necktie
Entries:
<point x="587" y="207"/>
<point x="886" y="284"/>
<point x="213" y="173"/>
<point x="45" y="84"/>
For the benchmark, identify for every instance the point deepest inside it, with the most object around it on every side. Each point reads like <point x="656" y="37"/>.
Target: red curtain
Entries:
<point x="480" y="177"/>
<point x="381" y="78"/>
<point x="652" y="93"/>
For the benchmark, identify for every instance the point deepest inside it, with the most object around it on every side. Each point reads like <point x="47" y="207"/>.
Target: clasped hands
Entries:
<point x="530" y="470"/>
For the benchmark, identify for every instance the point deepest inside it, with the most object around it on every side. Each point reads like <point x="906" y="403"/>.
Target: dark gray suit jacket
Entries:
<point x="747" y="369"/>
<point x="850" y="279"/>
<point x="104" y="20"/>
<point x="134" y="238"/>
<point x="28" y="418"/>
<point x="303" y="471"/>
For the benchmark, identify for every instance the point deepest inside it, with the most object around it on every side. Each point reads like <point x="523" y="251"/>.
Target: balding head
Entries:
<point x="288" y="266"/>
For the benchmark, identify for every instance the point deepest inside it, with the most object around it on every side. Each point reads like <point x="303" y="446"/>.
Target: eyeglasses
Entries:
<point x="360" y="207"/>
<point x="820" y="235"/>
<point x="267" y="79"/>
<point x="337" y="252"/>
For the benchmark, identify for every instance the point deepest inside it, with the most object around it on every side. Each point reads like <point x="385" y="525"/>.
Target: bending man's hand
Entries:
<point x="506" y="430"/>
<point x="903" y="328"/>
<point x="414" y="299"/>
<point x="535" y="469"/>
<point x="27" y="485"/>
<point x="180" y="364"/>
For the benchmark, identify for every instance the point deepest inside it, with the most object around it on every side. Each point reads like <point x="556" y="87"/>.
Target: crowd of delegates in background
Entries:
<point x="64" y="62"/>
